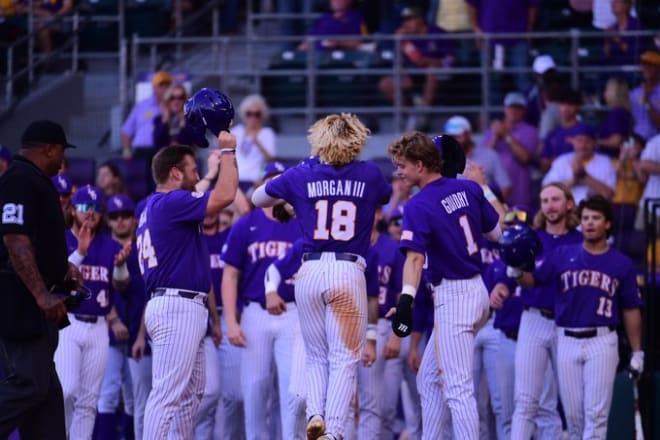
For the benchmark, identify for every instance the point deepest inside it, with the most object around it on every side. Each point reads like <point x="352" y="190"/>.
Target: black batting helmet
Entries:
<point x="452" y="154"/>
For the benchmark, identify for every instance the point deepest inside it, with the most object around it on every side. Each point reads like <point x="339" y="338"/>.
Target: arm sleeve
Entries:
<point x="234" y="251"/>
<point x="20" y="207"/>
<point x="546" y="273"/>
<point x="290" y="262"/>
<point x="279" y="187"/>
<point x="415" y="232"/>
<point x="631" y="296"/>
<point x="128" y="128"/>
<point x="186" y="206"/>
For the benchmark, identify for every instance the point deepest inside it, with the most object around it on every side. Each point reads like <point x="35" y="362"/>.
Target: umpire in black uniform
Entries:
<point x="33" y="259"/>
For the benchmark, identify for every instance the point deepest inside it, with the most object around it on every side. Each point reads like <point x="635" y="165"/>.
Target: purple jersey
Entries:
<point x="254" y="242"/>
<point x="390" y="270"/>
<point x="543" y="297"/>
<point x="490" y="252"/>
<point x="507" y="318"/>
<point x="445" y="220"/>
<point x="591" y="288"/>
<point x="335" y="206"/>
<point x="172" y="251"/>
<point x="215" y="244"/>
<point x="96" y="270"/>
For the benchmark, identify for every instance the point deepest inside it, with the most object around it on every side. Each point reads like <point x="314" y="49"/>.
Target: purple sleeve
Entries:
<point x="384" y="185"/>
<point x="371" y="274"/>
<point x="279" y="186"/>
<point x="415" y="232"/>
<point x="234" y="250"/>
<point x="619" y="121"/>
<point x="128" y="128"/>
<point x="631" y="297"/>
<point x="290" y="262"/>
<point x="186" y="206"/>
<point x="547" y="272"/>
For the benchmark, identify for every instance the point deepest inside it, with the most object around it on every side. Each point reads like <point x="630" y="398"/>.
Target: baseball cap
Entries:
<point x="457" y="125"/>
<point x="273" y="168"/>
<point x="569" y="96"/>
<point x="44" y="132"/>
<point x="88" y="197"/>
<point x="397" y="212"/>
<point x="62" y="183"/>
<point x="651" y="57"/>
<point x="5" y="154"/>
<point x="542" y="64"/>
<point x="161" y="77"/>
<point x="584" y="130"/>
<point x="410" y="12"/>
<point x="120" y="203"/>
<point x="515" y="98"/>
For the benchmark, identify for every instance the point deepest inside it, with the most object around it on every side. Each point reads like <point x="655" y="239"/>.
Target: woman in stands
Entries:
<point x="170" y="126"/>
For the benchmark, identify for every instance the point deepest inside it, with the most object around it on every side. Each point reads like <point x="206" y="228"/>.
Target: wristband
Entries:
<point x="372" y="333"/>
<point x="409" y="290"/>
<point x="488" y="193"/>
<point x="120" y="273"/>
<point x="227" y="151"/>
<point x="76" y="258"/>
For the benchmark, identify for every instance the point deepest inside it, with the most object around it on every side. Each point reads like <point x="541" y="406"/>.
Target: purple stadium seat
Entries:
<point x="81" y="171"/>
<point x="134" y="174"/>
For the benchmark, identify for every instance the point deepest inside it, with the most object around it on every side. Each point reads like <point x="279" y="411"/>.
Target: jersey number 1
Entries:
<point x="471" y="245"/>
<point x="146" y="251"/>
<point x="342" y="226"/>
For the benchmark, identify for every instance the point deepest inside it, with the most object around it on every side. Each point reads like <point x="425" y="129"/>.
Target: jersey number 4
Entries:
<point x="146" y="251"/>
<point x="342" y="224"/>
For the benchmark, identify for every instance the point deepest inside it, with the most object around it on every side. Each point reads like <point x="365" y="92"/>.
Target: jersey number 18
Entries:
<point x="342" y="225"/>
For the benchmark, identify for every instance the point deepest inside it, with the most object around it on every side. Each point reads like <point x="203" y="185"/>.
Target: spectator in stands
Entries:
<point x="255" y="143"/>
<point x="515" y="141"/>
<point x="629" y="182"/>
<point x="557" y="141"/>
<point x="649" y="167"/>
<point x="603" y="14"/>
<point x="545" y="73"/>
<point x="501" y="17"/>
<point x="108" y="178"/>
<point x="453" y="16"/>
<point x="617" y="124"/>
<point x="170" y="124"/>
<point x="497" y="178"/>
<point x="341" y="20"/>
<point x="645" y="99"/>
<point x="48" y="10"/>
<point x="583" y="170"/>
<point x="137" y="133"/>
<point x="5" y="159"/>
<point x="418" y="53"/>
<point x="620" y="49"/>
<point x="305" y="7"/>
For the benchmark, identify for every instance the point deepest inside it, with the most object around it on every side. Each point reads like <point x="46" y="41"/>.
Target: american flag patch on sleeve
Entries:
<point x="406" y="235"/>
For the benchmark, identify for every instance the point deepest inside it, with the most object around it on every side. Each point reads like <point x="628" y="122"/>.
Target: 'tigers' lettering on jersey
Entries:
<point x="94" y="273"/>
<point x="592" y="278"/>
<point x="267" y="249"/>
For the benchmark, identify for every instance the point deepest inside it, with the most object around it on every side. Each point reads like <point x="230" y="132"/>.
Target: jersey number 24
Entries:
<point x="146" y="251"/>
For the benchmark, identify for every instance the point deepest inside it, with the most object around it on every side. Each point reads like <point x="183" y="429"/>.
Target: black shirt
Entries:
<point x="30" y="206"/>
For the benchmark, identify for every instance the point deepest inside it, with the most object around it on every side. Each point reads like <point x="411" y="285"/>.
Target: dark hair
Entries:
<point x="168" y="158"/>
<point x="114" y="169"/>
<point x="600" y="204"/>
<point x="569" y="96"/>
<point x="416" y="146"/>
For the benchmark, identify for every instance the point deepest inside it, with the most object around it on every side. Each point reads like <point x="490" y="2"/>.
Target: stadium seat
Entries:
<point x="81" y="171"/>
<point x="285" y="90"/>
<point x="134" y="175"/>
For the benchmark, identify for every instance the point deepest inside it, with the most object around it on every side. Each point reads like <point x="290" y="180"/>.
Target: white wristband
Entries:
<point x="372" y="332"/>
<point x="272" y="279"/>
<point x="409" y="290"/>
<point x="120" y="273"/>
<point x="76" y="258"/>
<point x="488" y="193"/>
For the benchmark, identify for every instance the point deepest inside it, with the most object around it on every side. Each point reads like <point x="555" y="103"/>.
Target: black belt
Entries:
<point x="92" y="319"/>
<point x="189" y="294"/>
<point x="341" y="256"/>
<point x="511" y="335"/>
<point x="546" y="313"/>
<point x="586" y="333"/>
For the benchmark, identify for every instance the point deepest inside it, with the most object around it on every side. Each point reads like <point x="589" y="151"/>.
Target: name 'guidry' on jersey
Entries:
<point x="169" y="255"/>
<point x="335" y="206"/>
<point x="591" y="288"/>
<point x="468" y="216"/>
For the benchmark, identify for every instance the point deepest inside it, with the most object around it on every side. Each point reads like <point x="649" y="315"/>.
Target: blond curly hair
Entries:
<point x="338" y="139"/>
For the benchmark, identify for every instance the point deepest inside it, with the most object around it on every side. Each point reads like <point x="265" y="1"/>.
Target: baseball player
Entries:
<point x="536" y="348"/>
<point x="117" y="379"/>
<point x="174" y="260"/>
<point x="596" y="286"/>
<point x="334" y="199"/>
<point x="255" y="241"/>
<point x="441" y="226"/>
<point x="82" y="352"/>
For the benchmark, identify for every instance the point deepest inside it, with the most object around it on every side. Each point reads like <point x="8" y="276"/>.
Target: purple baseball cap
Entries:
<point x="62" y="183"/>
<point x="120" y="203"/>
<point x="5" y="154"/>
<point x="397" y="212"/>
<point x="585" y="130"/>
<point x="273" y="168"/>
<point x="89" y="196"/>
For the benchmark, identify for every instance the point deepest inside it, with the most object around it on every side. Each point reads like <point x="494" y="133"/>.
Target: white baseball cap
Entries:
<point x="515" y="98"/>
<point x="542" y="64"/>
<point x="457" y="125"/>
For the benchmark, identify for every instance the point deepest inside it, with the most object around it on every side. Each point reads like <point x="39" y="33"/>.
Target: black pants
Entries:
<point x="30" y="391"/>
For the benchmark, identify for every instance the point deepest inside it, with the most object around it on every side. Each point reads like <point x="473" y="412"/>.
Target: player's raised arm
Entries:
<point x="261" y="199"/>
<point x="224" y="191"/>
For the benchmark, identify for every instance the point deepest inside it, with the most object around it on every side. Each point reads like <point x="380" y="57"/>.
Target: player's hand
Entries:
<point x="498" y="295"/>
<point x="475" y="172"/>
<point x="403" y="318"/>
<point x="235" y="334"/>
<point x="53" y="307"/>
<point x="139" y="346"/>
<point x="119" y="330"/>
<point x="414" y="359"/>
<point x="275" y="304"/>
<point x="216" y="334"/>
<point x="369" y="353"/>
<point x="122" y="255"/>
<point x="513" y="272"/>
<point x="85" y="236"/>
<point x="74" y="275"/>
<point x="637" y="363"/>
<point x="227" y="140"/>
<point x="392" y="347"/>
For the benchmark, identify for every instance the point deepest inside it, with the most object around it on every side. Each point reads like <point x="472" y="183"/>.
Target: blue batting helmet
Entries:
<point x="208" y="108"/>
<point x="519" y="246"/>
<point x="452" y="154"/>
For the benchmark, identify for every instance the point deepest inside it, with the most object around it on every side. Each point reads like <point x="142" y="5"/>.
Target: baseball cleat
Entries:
<point x="315" y="427"/>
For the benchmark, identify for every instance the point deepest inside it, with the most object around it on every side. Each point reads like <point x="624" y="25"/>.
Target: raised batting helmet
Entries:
<point x="519" y="246"/>
<point x="208" y="108"/>
<point x="453" y="156"/>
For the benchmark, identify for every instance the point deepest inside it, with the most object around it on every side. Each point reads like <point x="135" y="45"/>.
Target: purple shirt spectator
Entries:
<point x="139" y="125"/>
<point x="622" y="49"/>
<point x="617" y="121"/>
<point x="557" y="143"/>
<point x="503" y="16"/>
<point x="349" y="23"/>
<point x="643" y="125"/>
<point x="431" y="48"/>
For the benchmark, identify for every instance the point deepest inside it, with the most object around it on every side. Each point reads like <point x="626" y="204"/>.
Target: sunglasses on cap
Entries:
<point x="120" y="214"/>
<point x="88" y="207"/>
<point x="515" y="216"/>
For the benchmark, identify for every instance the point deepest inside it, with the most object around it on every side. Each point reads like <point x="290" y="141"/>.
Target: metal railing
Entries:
<point x="256" y="68"/>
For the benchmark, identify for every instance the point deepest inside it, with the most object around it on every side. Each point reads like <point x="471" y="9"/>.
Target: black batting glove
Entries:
<point x="403" y="318"/>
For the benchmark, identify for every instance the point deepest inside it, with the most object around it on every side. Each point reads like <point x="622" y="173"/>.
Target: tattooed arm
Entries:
<point x="23" y="260"/>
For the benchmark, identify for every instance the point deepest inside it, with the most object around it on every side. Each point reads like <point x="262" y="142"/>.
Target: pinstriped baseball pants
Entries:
<point x="461" y="308"/>
<point x="332" y="304"/>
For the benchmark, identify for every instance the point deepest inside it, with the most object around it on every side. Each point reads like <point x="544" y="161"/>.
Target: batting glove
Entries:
<point x="637" y="363"/>
<point x="402" y="321"/>
<point x="513" y="272"/>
